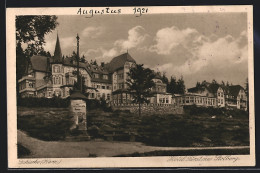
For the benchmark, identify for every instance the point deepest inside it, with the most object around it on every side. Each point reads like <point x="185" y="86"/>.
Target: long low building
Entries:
<point x="214" y="95"/>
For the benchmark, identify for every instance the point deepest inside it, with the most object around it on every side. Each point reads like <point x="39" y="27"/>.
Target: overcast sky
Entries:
<point x="196" y="46"/>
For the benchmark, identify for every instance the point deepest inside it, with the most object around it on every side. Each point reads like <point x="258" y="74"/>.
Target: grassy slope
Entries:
<point x="197" y="127"/>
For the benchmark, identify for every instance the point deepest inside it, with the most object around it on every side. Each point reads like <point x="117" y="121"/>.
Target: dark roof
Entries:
<point x="213" y="88"/>
<point x="97" y="69"/>
<point x="39" y="63"/>
<point x="124" y="90"/>
<point x="57" y="53"/>
<point x="77" y="95"/>
<point x="157" y="76"/>
<point x="234" y="90"/>
<point x="193" y="90"/>
<point x="70" y="62"/>
<point x="119" y="62"/>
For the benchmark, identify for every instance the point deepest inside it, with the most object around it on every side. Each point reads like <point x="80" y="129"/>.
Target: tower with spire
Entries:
<point x="57" y="52"/>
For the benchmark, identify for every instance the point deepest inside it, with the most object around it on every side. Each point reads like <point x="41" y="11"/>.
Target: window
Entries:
<point x="191" y="99"/>
<point x="31" y="85"/>
<point x="56" y="69"/>
<point x="49" y="94"/>
<point x="98" y="95"/>
<point x="96" y="75"/>
<point x="108" y="96"/>
<point x="98" y="86"/>
<point x="121" y="76"/>
<point x="57" y="93"/>
<point x="56" y="80"/>
<point x="222" y="95"/>
<point x="120" y="85"/>
<point x="105" y="76"/>
<point x="221" y="101"/>
<point x="219" y="94"/>
<point x="108" y="87"/>
<point x="127" y="65"/>
<point x="103" y="87"/>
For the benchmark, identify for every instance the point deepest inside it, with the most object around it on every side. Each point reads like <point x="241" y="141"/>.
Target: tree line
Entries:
<point x="174" y="85"/>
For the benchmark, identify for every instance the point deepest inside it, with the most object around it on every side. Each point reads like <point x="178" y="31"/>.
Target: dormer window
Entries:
<point x="96" y="75"/>
<point x="127" y="65"/>
<point x="56" y="69"/>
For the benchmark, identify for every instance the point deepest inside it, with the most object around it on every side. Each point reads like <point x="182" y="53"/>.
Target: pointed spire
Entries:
<point x="57" y="52"/>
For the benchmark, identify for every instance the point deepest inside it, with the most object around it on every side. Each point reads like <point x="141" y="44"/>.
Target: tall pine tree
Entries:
<point x="139" y="84"/>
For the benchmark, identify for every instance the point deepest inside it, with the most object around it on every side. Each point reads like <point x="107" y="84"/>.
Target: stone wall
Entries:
<point x="149" y="109"/>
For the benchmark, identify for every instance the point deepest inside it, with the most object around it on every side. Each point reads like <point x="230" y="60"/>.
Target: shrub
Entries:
<point x="22" y="151"/>
<point x="194" y="110"/>
<point x="43" y="102"/>
<point x="57" y="102"/>
<point x="76" y="132"/>
<point x="45" y="128"/>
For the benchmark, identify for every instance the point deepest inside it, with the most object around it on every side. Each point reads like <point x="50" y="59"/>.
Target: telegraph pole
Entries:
<point x="78" y="79"/>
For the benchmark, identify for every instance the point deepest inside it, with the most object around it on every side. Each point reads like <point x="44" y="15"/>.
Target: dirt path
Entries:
<point x="61" y="149"/>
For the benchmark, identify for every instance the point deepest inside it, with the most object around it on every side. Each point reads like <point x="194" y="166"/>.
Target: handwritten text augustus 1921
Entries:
<point x="137" y="11"/>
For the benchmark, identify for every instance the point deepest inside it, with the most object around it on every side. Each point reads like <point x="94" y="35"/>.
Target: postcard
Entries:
<point x="130" y="87"/>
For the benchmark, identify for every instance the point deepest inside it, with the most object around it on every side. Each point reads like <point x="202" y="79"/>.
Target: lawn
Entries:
<point x="197" y="127"/>
<point x="49" y="124"/>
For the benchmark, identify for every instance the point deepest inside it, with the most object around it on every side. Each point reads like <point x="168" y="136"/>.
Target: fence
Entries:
<point x="148" y="108"/>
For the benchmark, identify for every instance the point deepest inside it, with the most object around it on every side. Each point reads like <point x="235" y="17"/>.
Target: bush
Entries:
<point x="22" y="151"/>
<point x="45" y="128"/>
<point x="76" y="132"/>
<point x="57" y="102"/>
<point x="94" y="131"/>
<point x="194" y="110"/>
<point x="43" y="102"/>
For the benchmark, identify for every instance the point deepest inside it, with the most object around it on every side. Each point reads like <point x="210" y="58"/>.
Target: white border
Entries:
<point x="13" y="162"/>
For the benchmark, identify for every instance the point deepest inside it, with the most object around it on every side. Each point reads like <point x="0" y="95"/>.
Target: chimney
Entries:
<point x="102" y="64"/>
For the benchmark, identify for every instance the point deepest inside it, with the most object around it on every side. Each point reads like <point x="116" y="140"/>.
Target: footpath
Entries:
<point x="62" y="149"/>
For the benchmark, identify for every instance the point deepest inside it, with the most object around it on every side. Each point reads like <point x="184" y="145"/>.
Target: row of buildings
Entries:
<point x="215" y="95"/>
<point x="55" y="76"/>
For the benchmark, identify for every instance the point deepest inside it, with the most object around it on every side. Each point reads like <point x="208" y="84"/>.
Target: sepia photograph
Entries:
<point x="130" y="87"/>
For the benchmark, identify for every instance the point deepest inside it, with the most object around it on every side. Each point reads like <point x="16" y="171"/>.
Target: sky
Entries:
<point x="199" y="46"/>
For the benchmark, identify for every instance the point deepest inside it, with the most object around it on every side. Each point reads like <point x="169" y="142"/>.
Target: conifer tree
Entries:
<point x="140" y="83"/>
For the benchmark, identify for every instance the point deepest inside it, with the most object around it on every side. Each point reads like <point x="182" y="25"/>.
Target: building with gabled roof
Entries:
<point x="236" y="97"/>
<point x="215" y="95"/>
<point x="55" y="76"/>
